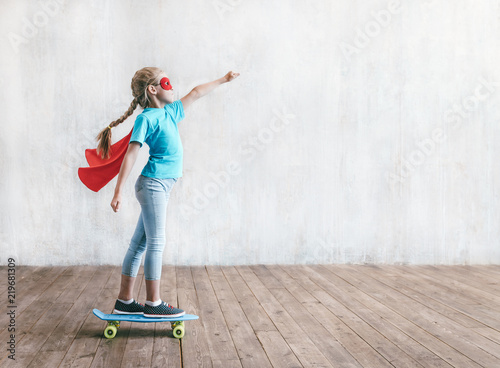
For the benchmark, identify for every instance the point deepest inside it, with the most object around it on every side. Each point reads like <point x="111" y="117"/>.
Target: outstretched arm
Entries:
<point x="203" y="89"/>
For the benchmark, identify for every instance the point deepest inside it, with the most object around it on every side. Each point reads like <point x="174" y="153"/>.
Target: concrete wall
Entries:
<point x="357" y="132"/>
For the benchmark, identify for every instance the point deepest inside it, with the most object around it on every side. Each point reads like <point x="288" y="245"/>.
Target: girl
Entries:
<point x="157" y="127"/>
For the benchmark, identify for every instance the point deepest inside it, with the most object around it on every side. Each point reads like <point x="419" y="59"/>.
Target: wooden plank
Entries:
<point x="226" y="364"/>
<point x="489" y="333"/>
<point x="22" y="274"/>
<point x="139" y="349"/>
<point x="256" y="315"/>
<point x="425" y="318"/>
<point x="26" y="319"/>
<point x="81" y="277"/>
<point x="278" y="350"/>
<point x="421" y="297"/>
<point x="450" y="297"/>
<point x="31" y="289"/>
<point x="352" y="315"/>
<point x="83" y="349"/>
<point x="493" y="267"/>
<point x="24" y="325"/>
<point x="307" y="353"/>
<point x="473" y="276"/>
<point x="463" y="285"/>
<point x="491" y="272"/>
<point x="275" y="346"/>
<point x="403" y="334"/>
<point x="194" y="346"/>
<point x="323" y="338"/>
<point x="319" y="302"/>
<point x="219" y="340"/>
<point x="365" y="323"/>
<point x="54" y="290"/>
<point x="27" y="348"/>
<point x="55" y="347"/>
<point x="417" y="343"/>
<point x="115" y="279"/>
<point x="472" y="336"/>
<point x="3" y="277"/>
<point x="166" y="348"/>
<point x="110" y="352"/>
<point x="247" y="344"/>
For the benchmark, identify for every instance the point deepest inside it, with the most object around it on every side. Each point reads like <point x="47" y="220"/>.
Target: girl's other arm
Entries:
<point x="203" y="89"/>
<point x="127" y="164"/>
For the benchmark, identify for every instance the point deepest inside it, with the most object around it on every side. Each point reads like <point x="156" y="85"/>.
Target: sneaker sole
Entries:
<point x="116" y="311"/>
<point x="165" y="315"/>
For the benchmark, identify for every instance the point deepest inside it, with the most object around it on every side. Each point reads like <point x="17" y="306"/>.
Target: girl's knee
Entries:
<point x="137" y="247"/>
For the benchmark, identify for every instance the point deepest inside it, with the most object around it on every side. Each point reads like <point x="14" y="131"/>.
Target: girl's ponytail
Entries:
<point x="104" y="137"/>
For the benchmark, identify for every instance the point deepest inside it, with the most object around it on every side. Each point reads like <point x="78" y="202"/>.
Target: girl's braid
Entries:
<point x="104" y="137"/>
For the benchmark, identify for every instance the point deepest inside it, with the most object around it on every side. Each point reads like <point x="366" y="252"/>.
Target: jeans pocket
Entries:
<point x="169" y="183"/>
<point x="139" y="184"/>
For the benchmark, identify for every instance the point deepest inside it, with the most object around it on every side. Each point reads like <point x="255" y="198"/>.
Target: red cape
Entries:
<point x="101" y="172"/>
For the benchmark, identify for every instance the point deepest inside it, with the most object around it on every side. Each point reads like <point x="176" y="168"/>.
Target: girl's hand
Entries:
<point x="230" y="76"/>
<point x="203" y="89"/>
<point x="116" y="202"/>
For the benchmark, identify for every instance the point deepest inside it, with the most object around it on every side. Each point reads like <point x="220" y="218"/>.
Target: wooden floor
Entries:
<point x="263" y="316"/>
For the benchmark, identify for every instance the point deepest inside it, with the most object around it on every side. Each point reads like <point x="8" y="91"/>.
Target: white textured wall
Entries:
<point x="358" y="131"/>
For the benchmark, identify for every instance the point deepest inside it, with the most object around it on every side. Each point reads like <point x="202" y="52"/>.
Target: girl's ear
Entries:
<point x="152" y="89"/>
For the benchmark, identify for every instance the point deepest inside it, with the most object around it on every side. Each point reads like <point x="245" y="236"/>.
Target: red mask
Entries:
<point x="165" y="83"/>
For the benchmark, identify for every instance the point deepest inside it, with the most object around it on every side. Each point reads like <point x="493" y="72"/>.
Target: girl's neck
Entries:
<point x="155" y="103"/>
<point x="154" y="106"/>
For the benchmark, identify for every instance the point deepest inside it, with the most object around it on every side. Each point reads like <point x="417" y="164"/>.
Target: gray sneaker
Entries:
<point x="163" y="310"/>
<point x="132" y="308"/>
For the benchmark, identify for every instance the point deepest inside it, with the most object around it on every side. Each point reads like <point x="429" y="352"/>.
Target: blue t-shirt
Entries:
<point x="157" y="127"/>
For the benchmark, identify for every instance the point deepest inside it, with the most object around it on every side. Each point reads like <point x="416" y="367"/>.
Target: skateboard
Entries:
<point x="177" y="323"/>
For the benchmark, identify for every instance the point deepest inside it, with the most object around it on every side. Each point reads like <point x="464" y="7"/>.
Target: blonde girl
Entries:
<point x="157" y="126"/>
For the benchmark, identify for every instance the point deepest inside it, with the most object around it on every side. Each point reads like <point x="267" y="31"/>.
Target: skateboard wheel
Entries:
<point x="110" y="331"/>
<point x="178" y="331"/>
<point x="177" y="323"/>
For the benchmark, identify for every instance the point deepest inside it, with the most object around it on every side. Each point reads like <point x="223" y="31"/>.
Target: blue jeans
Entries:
<point x="149" y="236"/>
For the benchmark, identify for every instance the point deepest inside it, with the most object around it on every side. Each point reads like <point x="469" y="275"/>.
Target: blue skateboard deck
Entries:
<point x="177" y="323"/>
